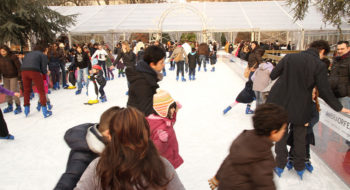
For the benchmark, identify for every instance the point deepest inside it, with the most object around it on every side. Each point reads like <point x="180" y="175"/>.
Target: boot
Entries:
<point x="278" y="171"/>
<point x="183" y="79"/>
<point x="309" y="167"/>
<point x="26" y="110"/>
<point x="78" y="92"/>
<point x="8" y="137"/>
<point x="46" y="113"/>
<point x="227" y="109"/>
<point x="18" y="109"/>
<point x="38" y="107"/>
<point x="8" y="109"/>
<point x="248" y="110"/>
<point x="49" y="106"/>
<point x="301" y="173"/>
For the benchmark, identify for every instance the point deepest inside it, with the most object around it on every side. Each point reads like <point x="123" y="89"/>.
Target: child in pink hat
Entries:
<point x="161" y="126"/>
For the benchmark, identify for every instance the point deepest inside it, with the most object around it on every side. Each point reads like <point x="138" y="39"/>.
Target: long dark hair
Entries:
<point x="7" y="49"/>
<point x="130" y="161"/>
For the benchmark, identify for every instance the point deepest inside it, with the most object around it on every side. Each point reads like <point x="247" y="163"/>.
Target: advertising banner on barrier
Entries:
<point x="332" y="137"/>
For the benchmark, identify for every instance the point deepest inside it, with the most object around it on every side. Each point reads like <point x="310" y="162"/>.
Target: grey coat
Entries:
<point x="89" y="180"/>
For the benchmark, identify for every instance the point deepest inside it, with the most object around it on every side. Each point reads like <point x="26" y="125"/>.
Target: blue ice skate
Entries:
<point x="227" y="109"/>
<point x="309" y="166"/>
<point x="290" y="165"/>
<point x="26" y="110"/>
<point x="18" y="110"/>
<point x="183" y="79"/>
<point x="46" y="113"/>
<point x="8" y="137"/>
<point x="8" y="109"/>
<point x="278" y="171"/>
<point x="77" y="92"/>
<point x="301" y="173"/>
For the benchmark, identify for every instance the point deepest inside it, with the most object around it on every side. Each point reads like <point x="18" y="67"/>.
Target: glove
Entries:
<point x="213" y="183"/>
<point x="178" y="105"/>
<point x="163" y="135"/>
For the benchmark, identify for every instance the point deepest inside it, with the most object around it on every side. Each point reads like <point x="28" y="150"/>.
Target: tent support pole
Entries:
<point x="252" y="36"/>
<point x="302" y="39"/>
<point x="259" y="35"/>
<point x="70" y="40"/>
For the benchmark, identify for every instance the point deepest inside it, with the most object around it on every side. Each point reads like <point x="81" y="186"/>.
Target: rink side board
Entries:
<point x="332" y="137"/>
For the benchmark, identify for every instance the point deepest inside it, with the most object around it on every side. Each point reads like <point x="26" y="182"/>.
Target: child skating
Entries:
<point x="162" y="127"/>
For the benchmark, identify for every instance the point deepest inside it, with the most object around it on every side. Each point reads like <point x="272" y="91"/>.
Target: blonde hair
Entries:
<point x="127" y="46"/>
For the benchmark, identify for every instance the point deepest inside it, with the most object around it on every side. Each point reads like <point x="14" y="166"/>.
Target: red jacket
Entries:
<point x="164" y="138"/>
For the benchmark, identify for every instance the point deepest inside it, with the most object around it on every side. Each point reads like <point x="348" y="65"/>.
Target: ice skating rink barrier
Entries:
<point x="332" y="132"/>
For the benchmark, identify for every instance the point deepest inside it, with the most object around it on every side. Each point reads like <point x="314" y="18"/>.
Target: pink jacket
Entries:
<point x="164" y="138"/>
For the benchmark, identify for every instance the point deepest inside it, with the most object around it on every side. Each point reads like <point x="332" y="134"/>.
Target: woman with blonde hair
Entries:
<point x="130" y="160"/>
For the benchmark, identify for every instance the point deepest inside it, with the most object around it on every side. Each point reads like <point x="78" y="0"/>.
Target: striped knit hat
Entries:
<point x="161" y="102"/>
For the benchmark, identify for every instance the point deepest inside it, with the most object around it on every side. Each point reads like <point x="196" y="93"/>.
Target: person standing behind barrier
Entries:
<point x="10" y="69"/>
<point x="33" y="67"/>
<point x="101" y="57"/>
<point x="180" y="58"/>
<point x="340" y="73"/>
<point x="203" y="52"/>
<point x="298" y="74"/>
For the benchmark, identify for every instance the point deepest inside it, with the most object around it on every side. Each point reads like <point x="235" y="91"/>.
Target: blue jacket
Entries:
<point x="35" y="61"/>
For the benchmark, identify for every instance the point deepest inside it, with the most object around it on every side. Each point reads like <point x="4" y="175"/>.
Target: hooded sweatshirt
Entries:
<point x="261" y="77"/>
<point x="249" y="165"/>
<point x="86" y="143"/>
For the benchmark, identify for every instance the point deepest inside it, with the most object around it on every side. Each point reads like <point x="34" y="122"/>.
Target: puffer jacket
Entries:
<point x="261" y="77"/>
<point x="10" y="67"/>
<point x="86" y="143"/>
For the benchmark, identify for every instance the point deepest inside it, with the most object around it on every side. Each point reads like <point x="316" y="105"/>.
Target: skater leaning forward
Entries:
<point x="33" y="67"/>
<point x="293" y="90"/>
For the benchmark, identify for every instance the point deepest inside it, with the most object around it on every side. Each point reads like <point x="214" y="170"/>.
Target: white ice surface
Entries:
<point x="38" y="156"/>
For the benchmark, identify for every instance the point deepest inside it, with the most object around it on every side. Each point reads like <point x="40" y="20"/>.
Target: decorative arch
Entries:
<point x="182" y="6"/>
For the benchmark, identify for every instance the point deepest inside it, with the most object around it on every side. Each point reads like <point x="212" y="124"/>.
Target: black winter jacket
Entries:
<point x="340" y="76"/>
<point x="298" y="74"/>
<point x="99" y="78"/>
<point x="86" y="144"/>
<point x="129" y="59"/>
<point x="35" y="61"/>
<point x="193" y="59"/>
<point x="143" y="85"/>
<point x="82" y="61"/>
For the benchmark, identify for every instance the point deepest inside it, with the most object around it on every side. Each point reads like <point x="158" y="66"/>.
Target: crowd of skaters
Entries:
<point x="136" y="147"/>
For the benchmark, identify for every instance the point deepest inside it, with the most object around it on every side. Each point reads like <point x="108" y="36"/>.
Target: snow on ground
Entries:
<point x="38" y="156"/>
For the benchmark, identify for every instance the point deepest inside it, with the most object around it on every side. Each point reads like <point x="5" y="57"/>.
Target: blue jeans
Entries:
<point x="83" y="73"/>
<point x="63" y="70"/>
<point x="202" y="58"/>
<point x="345" y="101"/>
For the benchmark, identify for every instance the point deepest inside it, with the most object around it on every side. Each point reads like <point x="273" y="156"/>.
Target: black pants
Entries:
<point x="192" y="71"/>
<point x="102" y="92"/>
<point x="299" y="148"/>
<point x="172" y="64"/>
<point x="55" y="74"/>
<point x="3" y="126"/>
<point x="103" y="65"/>
<point x="63" y="70"/>
<point x="180" y="68"/>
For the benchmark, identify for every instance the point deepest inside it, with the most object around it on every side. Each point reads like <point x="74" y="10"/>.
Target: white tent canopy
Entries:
<point x="207" y="16"/>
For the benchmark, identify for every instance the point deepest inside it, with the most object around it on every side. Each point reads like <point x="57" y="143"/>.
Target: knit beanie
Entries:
<point x="161" y="102"/>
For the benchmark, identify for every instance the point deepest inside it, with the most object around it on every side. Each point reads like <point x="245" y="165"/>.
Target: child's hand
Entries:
<point x="178" y="106"/>
<point x="306" y="124"/>
<point x="17" y="94"/>
<point x="111" y="67"/>
<point x="163" y="135"/>
<point x="213" y="183"/>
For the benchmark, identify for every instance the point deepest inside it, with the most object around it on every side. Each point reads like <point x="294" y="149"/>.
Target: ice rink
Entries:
<point x="37" y="157"/>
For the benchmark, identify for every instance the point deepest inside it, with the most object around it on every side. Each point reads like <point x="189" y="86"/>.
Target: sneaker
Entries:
<point x="278" y="171"/>
<point x="8" y="137"/>
<point x="227" y="109"/>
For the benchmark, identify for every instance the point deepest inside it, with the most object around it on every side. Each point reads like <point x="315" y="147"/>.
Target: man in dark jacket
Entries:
<point x="250" y="163"/>
<point x="298" y="74"/>
<point x="86" y="141"/>
<point x="33" y="67"/>
<point x="144" y="78"/>
<point x="340" y="74"/>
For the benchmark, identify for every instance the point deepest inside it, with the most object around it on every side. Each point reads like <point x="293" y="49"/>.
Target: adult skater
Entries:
<point x="33" y="67"/>
<point x="298" y="74"/>
<point x="10" y="69"/>
<point x="203" y="52"/>
<point x="144" y="78"/>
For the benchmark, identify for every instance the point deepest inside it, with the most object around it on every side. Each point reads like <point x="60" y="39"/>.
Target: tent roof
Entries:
<point x="210" y="16"/>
